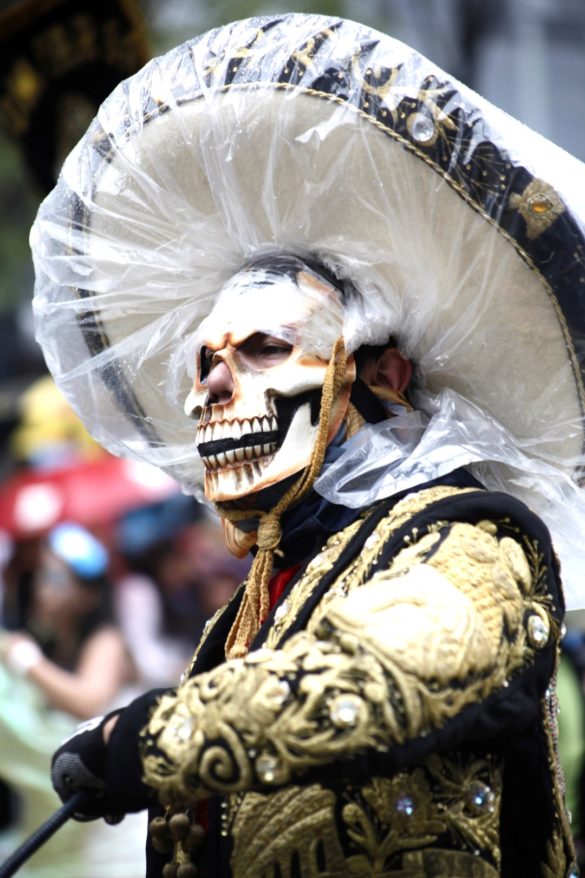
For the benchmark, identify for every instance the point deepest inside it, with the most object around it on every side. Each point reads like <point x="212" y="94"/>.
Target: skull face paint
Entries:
<point x="262" y="356"/>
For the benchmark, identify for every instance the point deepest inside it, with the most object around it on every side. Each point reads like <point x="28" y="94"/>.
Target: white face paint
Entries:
<point x="262" y="355"/>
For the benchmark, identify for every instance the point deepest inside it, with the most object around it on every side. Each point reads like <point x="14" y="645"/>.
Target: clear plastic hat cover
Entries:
<point x="458" y="230"/>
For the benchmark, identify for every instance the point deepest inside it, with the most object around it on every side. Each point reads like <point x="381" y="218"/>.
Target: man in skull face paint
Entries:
<point x="364" y="713"/>
<point x="257" y="388"/>
<point x="282" y="195"/>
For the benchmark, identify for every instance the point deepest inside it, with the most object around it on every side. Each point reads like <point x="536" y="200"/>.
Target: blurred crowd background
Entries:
<point x="105" y="567"/>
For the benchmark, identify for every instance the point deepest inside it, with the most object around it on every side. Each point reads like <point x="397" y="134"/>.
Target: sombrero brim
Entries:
<point x="307" y="133"/>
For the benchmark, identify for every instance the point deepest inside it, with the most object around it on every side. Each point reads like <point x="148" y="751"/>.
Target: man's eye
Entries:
<point x="274" y="349"/>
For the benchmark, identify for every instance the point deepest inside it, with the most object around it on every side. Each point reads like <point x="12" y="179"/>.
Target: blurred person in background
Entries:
<point x="70" y="663"/>
<point x="177" y="574"/>
<point x="80" y="661"/>
<point x="48" y="436"/>
<point x="219" y="572"/>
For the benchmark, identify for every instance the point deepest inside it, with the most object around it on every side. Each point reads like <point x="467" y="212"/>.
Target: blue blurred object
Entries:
<point x="143" y="528"/>
<point x="85" y="555"/>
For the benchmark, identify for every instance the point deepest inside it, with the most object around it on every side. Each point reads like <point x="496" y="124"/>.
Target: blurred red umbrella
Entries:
<point x="91" y="493"/>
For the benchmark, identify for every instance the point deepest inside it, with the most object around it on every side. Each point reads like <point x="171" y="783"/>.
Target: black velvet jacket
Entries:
<point x="395" y="716"/>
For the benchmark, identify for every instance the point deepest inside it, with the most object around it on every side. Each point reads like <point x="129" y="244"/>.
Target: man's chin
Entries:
<point x="226" y="491"/>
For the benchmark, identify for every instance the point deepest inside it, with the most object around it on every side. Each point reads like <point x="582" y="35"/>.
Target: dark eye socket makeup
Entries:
<point x="258" y="349"/>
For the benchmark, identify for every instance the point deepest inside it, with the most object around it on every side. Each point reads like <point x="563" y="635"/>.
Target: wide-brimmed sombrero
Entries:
<point x="461" y="229"/>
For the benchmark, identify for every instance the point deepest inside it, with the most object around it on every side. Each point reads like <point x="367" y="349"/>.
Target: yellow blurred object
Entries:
<point x="49" y="426"/>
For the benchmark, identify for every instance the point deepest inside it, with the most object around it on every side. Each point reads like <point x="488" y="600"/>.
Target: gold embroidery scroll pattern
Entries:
<point x="289" y="832"/>
<point x="213" y="707"/>
<point x="557" y="865"/>
<point x="240" y="726"/>
<point x="510" y="593"/>
<point x="455" y="864"/>
<point x="357" y="572"/>
<point x="417" y="625"/>
<point x="469" y="795"/>
<point x="541" y="621"/>
<point x="309" y="581"/>
<point x="387" y="817"/>
<point x="445" y="802"/>
<point x="385" y="822"/>
<point x="493" y="575"/>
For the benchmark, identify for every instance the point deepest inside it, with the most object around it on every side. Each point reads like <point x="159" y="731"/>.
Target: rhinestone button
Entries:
<point x="279" y="692"/>
<point x="267" y="768"/>
<point x="538" y="630"/>
<point x="184" y="730"/>
<point x="480" y="798"/>
<point x="540" y="203"/>
<point x="281" y="612"/>
<point x="344" y="710"/>
<point x="258" y="656"/>
<point x="421" y="128"/>
<point x="405" y="806"/>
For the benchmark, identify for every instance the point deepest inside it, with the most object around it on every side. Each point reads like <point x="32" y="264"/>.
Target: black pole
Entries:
<point x="42" y="834"/>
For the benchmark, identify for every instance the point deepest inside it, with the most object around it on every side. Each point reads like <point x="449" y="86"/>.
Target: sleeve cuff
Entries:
<point x="124" y="773"/>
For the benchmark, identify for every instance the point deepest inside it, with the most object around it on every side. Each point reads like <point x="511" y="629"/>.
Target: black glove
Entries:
<point x="80" y="764"/>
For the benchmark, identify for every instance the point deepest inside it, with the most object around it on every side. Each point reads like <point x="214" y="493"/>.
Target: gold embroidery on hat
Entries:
<point x="539" y="206"/>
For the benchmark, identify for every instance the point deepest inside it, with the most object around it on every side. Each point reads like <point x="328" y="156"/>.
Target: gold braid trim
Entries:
<point x="255" y="604"/>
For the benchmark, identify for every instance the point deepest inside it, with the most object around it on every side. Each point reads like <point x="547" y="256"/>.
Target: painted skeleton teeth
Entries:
<point x="235" y="430"/>
<point x="252" y="454"/>
<point x="218" y="430"/>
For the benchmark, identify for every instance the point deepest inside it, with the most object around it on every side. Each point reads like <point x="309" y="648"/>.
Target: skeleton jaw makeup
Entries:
<point x="261" y="363"/>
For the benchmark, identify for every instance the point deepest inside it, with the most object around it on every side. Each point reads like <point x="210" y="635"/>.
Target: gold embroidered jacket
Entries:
<point x="396" y="717"/>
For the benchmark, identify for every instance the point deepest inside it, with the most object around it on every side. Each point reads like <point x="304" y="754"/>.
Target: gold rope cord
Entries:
<point x="255" y="603"/>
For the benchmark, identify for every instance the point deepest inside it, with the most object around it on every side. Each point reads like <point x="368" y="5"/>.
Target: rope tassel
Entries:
<point x="255" y="604"/>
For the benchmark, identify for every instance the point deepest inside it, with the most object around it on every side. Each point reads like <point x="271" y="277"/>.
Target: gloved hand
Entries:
<point x="80" y="764"/>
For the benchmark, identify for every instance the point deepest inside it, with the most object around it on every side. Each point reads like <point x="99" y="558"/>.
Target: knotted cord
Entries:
<point x="255" y="603"/>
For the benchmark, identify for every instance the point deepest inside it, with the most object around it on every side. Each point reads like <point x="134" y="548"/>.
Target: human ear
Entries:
<point x="392" y="371"/>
